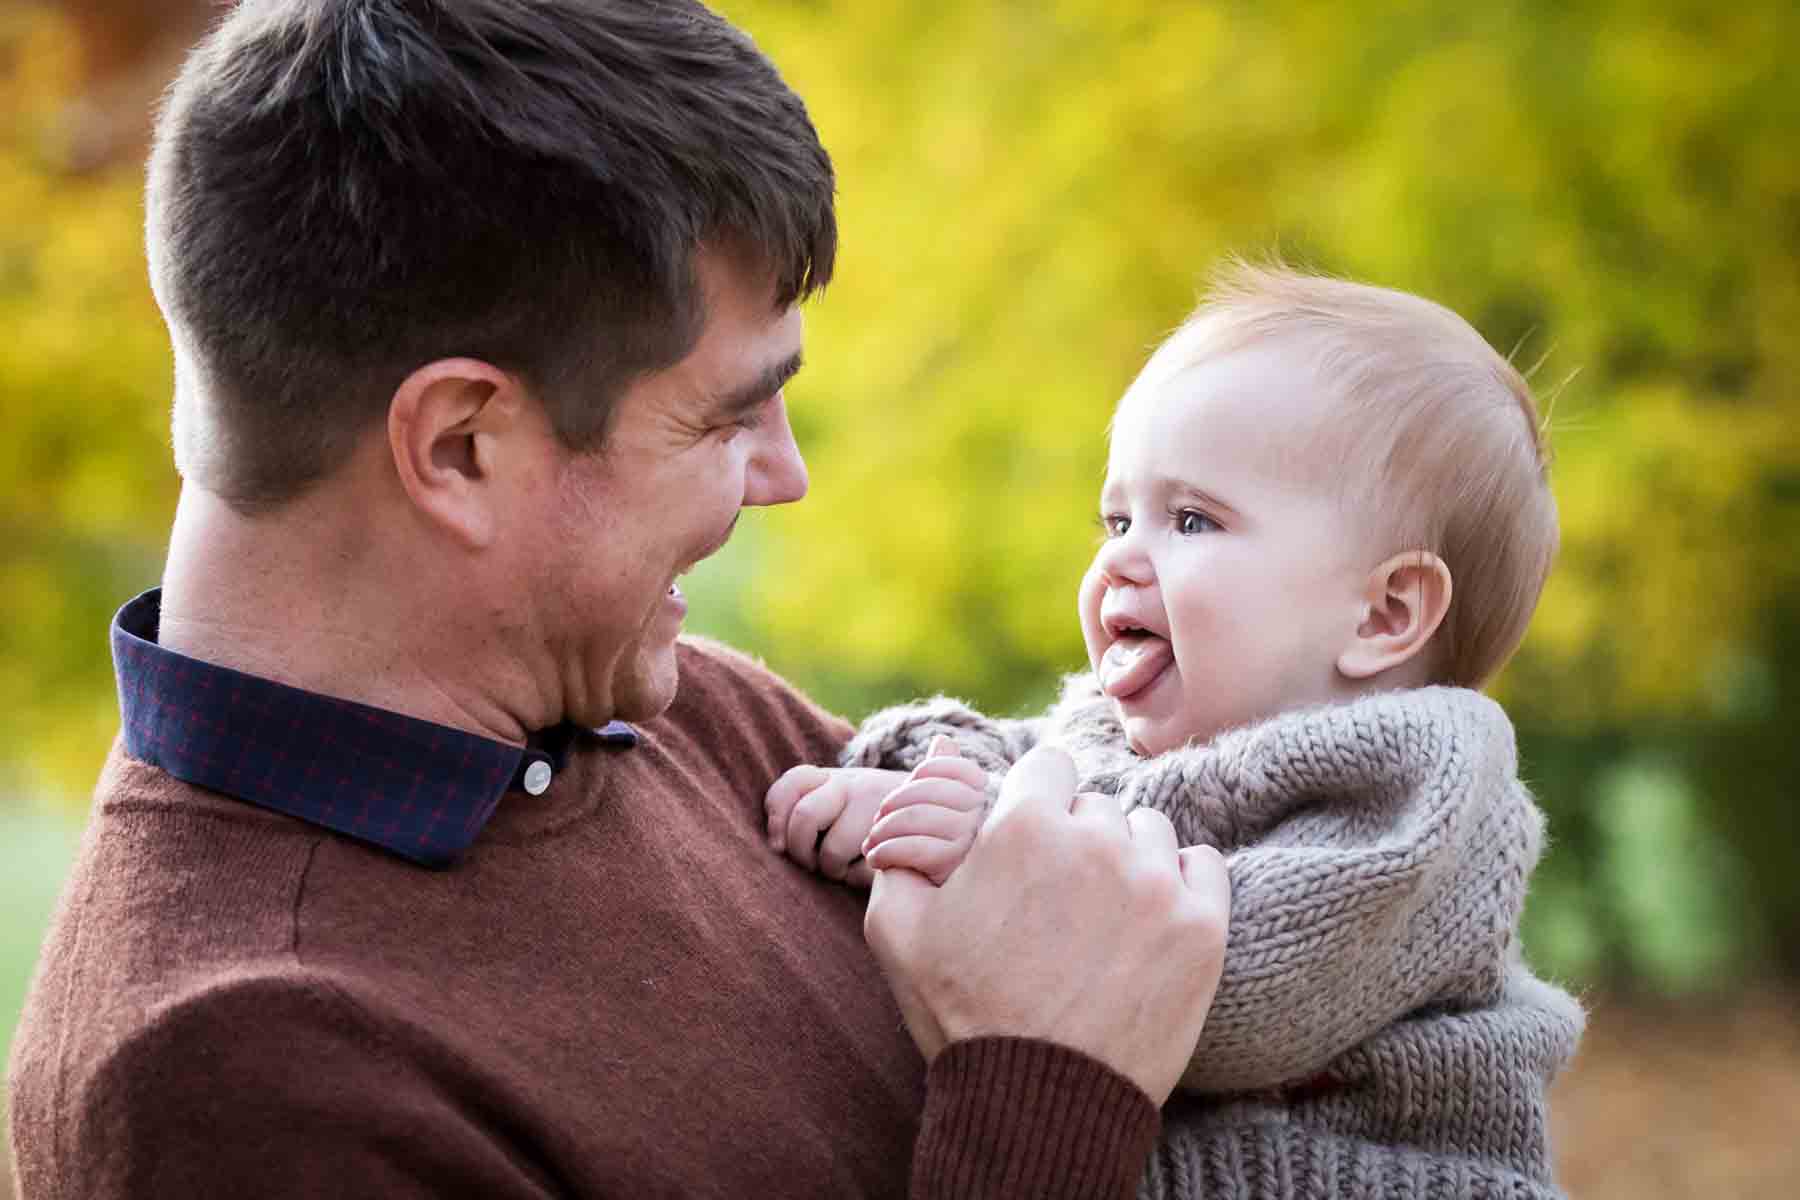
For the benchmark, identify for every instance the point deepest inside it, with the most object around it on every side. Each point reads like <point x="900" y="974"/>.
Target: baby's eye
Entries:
<point x="1192" y="520"/>
<point x="1115" y="524"/>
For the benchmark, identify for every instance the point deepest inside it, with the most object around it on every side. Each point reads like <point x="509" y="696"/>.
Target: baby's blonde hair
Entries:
<point x="1462" y="464"/>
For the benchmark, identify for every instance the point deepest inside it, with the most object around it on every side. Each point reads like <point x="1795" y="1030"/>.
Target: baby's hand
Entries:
<point x="818" y="816"/>
<point x="929" y="824"/>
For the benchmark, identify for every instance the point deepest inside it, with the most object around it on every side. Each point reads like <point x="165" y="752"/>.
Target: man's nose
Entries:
<point x="777" y="473"/>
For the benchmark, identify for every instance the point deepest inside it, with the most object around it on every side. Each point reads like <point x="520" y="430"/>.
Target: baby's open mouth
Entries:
<point x="1133" y="661"/>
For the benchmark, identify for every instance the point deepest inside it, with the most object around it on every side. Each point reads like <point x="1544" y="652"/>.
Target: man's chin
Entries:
<point x="646" y="690"/>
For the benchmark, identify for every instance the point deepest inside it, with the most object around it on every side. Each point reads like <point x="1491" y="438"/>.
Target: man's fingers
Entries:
<point x="1151" y="831"/>
<point x="1060" y="926"/>
<point x="1045" y="778"/>
<point x="1097" y="806"/>
<point x="1203" y="870"/>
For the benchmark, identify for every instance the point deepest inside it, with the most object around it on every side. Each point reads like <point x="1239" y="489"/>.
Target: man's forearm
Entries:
<point x="1018" y="1117"/>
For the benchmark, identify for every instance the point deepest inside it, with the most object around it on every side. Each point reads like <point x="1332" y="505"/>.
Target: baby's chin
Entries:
<point x="1150" y="736"/>
<point x="1145" y="736"/>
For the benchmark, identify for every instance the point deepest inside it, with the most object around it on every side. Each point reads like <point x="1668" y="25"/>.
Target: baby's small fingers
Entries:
<point x="923" y="820"/>
<point x="962" y="770"/>
<point x="945" y="793"/>
<point x="931" y="857"/>
<point x="786" y="792"/>
<point x="796" y="781"/>
<point x="842" y="844"/>
<point x="811" y="816"/>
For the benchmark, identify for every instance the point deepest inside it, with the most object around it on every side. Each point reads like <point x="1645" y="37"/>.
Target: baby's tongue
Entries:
<point x="1130" y="664"/>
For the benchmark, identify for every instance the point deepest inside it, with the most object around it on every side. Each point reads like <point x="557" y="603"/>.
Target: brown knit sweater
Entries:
<point x="619" y="992"/>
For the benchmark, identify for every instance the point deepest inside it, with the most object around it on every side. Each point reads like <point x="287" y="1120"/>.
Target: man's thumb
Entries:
<point x="892" y="926"/>
<point x="895" y="901"/>
<point x="1046" y="776"/>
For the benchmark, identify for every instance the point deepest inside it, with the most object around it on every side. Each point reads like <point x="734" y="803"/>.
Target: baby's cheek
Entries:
<point x="1087" y="610"/>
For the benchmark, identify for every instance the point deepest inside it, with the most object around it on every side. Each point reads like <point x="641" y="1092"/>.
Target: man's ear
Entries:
<point x="449" y="423"/>
<point x="1405" y="602"/>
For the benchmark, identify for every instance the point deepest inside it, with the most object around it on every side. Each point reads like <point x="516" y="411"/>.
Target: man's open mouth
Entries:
<point x="675" y="583"/>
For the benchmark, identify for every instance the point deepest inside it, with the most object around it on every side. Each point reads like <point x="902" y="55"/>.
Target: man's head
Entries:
<point x="483" y="311"/>
<point x="344" y="190"/>
<point x="1297" y="476"/>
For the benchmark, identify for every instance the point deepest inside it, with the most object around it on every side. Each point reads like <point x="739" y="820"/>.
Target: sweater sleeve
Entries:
<point x="897" y="738"/>
<point x="1018" y="1117"/>
<point x="1378" y="855"/>
<point x="204" y="1100"/>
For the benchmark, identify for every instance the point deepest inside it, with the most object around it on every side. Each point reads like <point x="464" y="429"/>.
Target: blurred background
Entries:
<point x="1031" y="193"/>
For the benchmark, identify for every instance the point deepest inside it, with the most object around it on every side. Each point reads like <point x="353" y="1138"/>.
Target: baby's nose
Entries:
<point x="1123" y="565"/>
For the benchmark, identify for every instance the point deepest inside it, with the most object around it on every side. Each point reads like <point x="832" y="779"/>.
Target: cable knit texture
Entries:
<point x="1375" y="1031"/>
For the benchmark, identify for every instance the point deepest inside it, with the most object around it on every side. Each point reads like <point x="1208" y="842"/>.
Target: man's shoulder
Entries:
<point x="209" y="1085"/>
<point x="271" y="1004"/>
<point x="172" y="887"/>
<point x="188" y="870"/>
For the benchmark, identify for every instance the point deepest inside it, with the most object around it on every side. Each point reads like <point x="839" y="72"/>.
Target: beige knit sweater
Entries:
<point x="1375" y="1031"/>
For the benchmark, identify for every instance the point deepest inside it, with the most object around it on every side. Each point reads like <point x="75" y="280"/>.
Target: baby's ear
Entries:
<point x="1404" y="604"/>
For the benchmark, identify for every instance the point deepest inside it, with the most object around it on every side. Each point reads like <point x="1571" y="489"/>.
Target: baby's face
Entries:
<point x="1230" y="578"/>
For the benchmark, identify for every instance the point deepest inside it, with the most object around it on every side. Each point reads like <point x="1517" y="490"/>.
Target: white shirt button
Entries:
<point x="537" y="778"/>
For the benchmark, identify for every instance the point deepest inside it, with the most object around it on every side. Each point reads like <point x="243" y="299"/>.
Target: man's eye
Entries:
<point x="1190" y="520"/>
<point x="744" y="424"/>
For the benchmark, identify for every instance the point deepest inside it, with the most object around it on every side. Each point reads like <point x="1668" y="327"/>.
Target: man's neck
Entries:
<point x="302" y="597"/>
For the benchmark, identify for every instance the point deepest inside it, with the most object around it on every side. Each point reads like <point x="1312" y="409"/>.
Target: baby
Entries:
<point x="1326" y="521"/>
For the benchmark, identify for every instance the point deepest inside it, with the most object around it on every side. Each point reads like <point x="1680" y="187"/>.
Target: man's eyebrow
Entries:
<point x="748" y="395"/>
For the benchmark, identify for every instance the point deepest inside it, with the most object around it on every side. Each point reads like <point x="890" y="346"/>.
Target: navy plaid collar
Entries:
<point x="416" y="788"/>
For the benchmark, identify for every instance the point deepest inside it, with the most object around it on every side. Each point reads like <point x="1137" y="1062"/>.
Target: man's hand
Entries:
<point x="1068" y="921"/>
<point x="929" y="823"/>
<point x="819" y="816"/>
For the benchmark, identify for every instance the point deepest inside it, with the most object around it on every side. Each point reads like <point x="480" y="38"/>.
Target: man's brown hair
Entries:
<point x="343" y="190"/>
